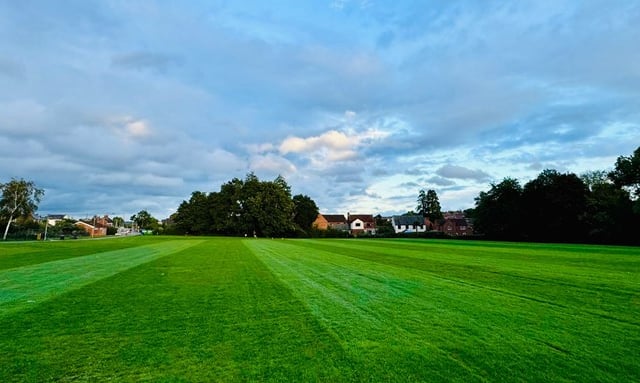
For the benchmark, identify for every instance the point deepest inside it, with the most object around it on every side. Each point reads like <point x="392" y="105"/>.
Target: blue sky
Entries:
<point x="117" y="106"/>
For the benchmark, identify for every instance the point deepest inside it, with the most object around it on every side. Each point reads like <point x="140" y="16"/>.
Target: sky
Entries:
<point x="117" y="106"/>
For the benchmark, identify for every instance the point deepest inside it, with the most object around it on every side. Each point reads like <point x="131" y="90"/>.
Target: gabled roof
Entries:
<point x="85" y="224"/>
<point x="361" y="217"/>
<point x="335" y="218"/>
<point x="457" y="221"/>
<point x="408" y="219"/>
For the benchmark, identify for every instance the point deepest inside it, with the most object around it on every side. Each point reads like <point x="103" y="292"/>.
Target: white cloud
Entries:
<point x="271" y="163"/>
<point x="138" y="129"/>
<point x="331" y="146"/>
<point x="332" y="140"/>
<point x="126" y="127"/>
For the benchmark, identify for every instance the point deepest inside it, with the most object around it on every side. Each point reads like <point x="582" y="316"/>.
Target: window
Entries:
<point x="358" y="224"/>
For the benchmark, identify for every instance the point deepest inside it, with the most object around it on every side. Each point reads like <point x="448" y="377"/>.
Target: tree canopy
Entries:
<point x="305" y="211"/>
<point x="144" y="220"/>
<point x="498" y="212"/>
<point x="562" y="207"/>
<point x="246" y="207"/>
<point x="19" y="199"/>
<point x="627" y="172"/>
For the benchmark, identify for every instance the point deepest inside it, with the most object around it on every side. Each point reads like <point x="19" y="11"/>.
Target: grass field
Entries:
<point x="224" y="309"/>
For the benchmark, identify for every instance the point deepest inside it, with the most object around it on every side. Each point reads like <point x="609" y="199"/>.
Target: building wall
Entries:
<point x="320" y="223"/>
<point x="456" y="228"/>
<point x="91" y="230"/>
<point x="399" y="228"/>
<point x="359" y="226"/>
<point x="339" y="226"/>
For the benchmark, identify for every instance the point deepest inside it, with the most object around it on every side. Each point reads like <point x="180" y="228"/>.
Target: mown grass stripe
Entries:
<point x="213" y="313"/>
<point x="394" y="312"/>
<point x="336" y="311"/>
<point x="14" y="254"/>
<point x="584" y="287"/>
<point x="25" y="286"/>
<point x="363" y="307"/>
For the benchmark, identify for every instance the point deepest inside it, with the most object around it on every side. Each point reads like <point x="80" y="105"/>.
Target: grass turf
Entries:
<point x="224" y="309"/>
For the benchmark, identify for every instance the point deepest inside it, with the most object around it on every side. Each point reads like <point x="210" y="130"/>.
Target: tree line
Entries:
<point x="596" y="207"/>
<point x="248" y="207"/>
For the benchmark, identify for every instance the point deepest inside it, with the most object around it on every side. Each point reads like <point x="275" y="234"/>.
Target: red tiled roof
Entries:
<point x="334" y="218"/>
<point x="361" y="217"/>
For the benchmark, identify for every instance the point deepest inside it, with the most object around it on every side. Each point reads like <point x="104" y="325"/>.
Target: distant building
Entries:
<point x="409" y="224"/>
<point x="361" y="224"/>
<point x="330" y="221"/>
<point x="455" y="224"/>
<point x="93" y="231"/>
<point x="53" y="219"/>
<point x="103" y="221"/>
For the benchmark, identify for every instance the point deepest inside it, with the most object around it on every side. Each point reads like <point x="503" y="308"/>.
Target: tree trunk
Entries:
<point x="6" y="230"/>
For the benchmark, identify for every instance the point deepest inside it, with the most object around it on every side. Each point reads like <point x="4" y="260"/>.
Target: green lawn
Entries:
<point x="224" y="309"/>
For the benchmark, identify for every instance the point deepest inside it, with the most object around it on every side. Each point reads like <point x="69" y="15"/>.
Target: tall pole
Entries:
<point x="46" y="225"/>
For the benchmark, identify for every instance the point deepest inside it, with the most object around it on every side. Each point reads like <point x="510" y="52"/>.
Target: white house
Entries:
<point x="53" y="219"/>
<point x="409" y="224"/>
<point x="361" y="223"/>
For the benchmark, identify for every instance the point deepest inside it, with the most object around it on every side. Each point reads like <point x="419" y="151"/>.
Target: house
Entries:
<point x="456" y="224"/>
<point x="409" y="224"/>
<point x="103" y="221"/>
<point x="330" y="221"/>
<point x="53" y="219"/>
<point x="361" y="224"/>
<point x="91" y="230"/>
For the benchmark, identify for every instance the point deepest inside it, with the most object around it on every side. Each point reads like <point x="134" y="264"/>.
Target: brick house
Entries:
<point x="330" y="221"/>
<point x="455" y="224"/>
<point x="93" y="231"/>
<point x="103" y="221"/>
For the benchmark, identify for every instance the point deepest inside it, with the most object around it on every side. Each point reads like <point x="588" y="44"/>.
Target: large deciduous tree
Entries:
<point x="609" y="216"/>
<point x="193" y="216"/>
<point x="144" y="220"/>
<point x="498" y="212"/>
<point x="241" y="207"/>
<point x="627" y="174"/>
<point x="305" y="211"/>
<point x="20" y="198"/>
<point x="268" y="209"/>
<point x="118" y="221"/>
<point x="595" y="207"/>
<point x="554" y="207"/>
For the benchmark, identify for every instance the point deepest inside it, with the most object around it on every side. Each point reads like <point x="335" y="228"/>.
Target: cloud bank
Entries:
<point x="358" y="104"/>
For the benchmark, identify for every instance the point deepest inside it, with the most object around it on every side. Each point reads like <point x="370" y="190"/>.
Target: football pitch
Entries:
<point x="189" y="309"/>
